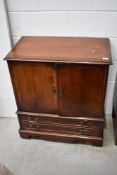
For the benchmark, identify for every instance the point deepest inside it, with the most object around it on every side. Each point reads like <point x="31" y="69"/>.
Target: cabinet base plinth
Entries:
<point x="95" y="141"/>
<point x="24" y="135"/>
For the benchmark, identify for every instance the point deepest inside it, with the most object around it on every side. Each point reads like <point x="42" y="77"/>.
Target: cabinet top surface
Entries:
<point x="62" y="49"/>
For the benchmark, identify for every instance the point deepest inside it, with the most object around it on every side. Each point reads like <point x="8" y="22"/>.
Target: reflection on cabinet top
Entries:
<point x="62" y="49"/>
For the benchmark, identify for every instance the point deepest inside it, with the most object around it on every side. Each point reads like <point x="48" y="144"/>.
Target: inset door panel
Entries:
<point x="83" y="89"/>
<point x="33" y="84"/>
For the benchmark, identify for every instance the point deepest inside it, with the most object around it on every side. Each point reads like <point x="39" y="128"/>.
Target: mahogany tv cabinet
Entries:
<point x="59" y="85"/>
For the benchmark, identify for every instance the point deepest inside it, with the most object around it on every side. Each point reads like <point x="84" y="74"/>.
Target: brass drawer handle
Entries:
<point x="85" y="130"/>
<point x="80" y="133"/>
<point x="85" y="122"/>
<point x="31" y="121"/>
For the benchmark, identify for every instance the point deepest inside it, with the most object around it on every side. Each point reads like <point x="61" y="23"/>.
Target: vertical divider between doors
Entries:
<point x="57" y="67"/>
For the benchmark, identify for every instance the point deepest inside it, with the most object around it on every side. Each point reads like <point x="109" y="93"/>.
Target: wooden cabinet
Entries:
<point x="59" y="85"/>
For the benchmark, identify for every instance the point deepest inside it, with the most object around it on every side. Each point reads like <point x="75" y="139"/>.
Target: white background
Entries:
<point x="95" y="18"/>
<point x="7" y="102"/>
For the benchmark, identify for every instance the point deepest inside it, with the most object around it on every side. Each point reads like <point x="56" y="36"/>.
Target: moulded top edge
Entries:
<point x="57" y="61"/>
<point x="62" y="49"/>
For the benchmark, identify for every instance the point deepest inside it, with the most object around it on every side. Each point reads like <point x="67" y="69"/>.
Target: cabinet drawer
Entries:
<point x="55" y="119"/>
<point x="60" y="128"/>
<point x="58" y="124"/>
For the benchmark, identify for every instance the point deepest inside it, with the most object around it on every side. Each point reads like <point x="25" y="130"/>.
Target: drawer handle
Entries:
<point x="85" y="130"/>
<point x="31" y="122"/>
<point x="33" y="119"/>
<point x="79" y="133"/>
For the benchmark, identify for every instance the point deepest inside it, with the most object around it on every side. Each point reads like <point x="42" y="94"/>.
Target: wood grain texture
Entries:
<point x="58" y="124"/>
<point x="83" y="89"/>
<point x="59" y="85"/>
<point x="95" y="141"/>
<point x="33" y="85"/>
<point x="62" y="49"/>
<point x="54" y="118"/>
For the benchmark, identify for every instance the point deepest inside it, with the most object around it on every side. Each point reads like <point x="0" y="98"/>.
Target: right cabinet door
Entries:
<point x="82" y="89"/>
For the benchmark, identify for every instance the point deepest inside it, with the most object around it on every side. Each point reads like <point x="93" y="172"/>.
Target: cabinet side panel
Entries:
<point x="33" y="84"/>
<point x="83" y="88"/>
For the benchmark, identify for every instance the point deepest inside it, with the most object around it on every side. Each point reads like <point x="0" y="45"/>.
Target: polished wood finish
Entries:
<point x="33" y="85"/>
<point x="53" y="118"/>
<point x="81" y="84"/>
<point x="68" y="125"/>
<point x="62" y="49"/>
<point x="59" y="85"/>
<point x="95" y="141"/>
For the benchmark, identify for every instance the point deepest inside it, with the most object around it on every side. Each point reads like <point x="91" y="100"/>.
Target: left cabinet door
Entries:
<point x="34" y="86"/>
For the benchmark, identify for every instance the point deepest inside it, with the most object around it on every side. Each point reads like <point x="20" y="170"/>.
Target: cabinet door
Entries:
<point x="82" y="89"/>
<point x="33" y="84"/>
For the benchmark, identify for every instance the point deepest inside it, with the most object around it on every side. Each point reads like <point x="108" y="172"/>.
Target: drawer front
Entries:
<point x="61" y="125"/>
<point x="60" y="128"/>
<point x="61" y="120"/>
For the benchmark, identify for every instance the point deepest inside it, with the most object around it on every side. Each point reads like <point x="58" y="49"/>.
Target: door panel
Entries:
<point x="83" y="89"/>
<point x="33" y="84"/>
